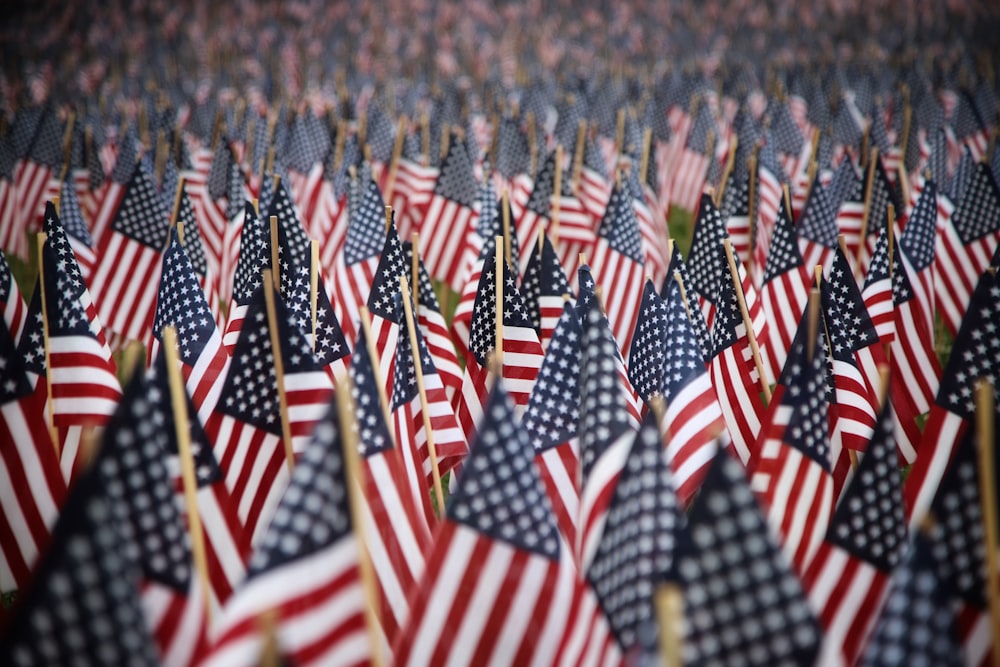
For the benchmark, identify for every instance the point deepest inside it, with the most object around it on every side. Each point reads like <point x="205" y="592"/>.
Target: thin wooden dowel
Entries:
<point x="986" y="435"/>
<point x="349" y="443"/>
<point x="505" y="243"/>
<point x="867" y="211"/>
<point x="752" y="207"/>
<point x="418" y="369"/>
<point x="747" y="322"/>
<point x="647" y="143"/>
<point x="684" y="298"/>
<point x="581" y="139"/>
<point x="397" y="152"/>
<point x="275" y="266"/>
<point x="279" y="370"/>
<point x="415" y="268"/>
<point x="176" y="210"/>
<point x="498" y="314"/>
<point x="178" y="400"/>
<point x="669" y="603"/>
<point x="49" y="404"/>
<point x="556" y="195"/>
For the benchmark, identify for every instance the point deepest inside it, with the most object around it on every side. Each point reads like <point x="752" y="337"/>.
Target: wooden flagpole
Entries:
<point x="620" y="135"/>
<point x="498" y="284"/>
<point x="684" y="297"/>
<point x="986" y="434"/>
<point x="397" y="152"/>
<point x="747" y="322"/>
<point x="425" y="137"/>
<point x="445" y="142"/>
<point x="279" y="370"/>
<point x="669" y="603"/>
<point x="557" y="195"/>
<point x="752" y="206"/>
<point x="529" y="121"/>
<point x="505" y="242"/>
<point x="726" y="171"/>
<point x="175" y="212"/>
<point x="50" y="405"/>
<point x="869" y="183"/>
<point x="275" y="266"/>
<point x="178" y="400"/>
<point x="313" y="285"/>
<point x="67" y="147"/>
<point x="418" y="368"/>
<point x="581" y="146"/>
<point x="366" y="326"/>
<point x="355" y="476"/>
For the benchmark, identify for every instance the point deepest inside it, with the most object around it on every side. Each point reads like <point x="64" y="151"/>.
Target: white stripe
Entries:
<point x="480" y="604"/>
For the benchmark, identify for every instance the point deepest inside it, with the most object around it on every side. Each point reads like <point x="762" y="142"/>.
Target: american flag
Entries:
<point x="866" y="540"/>
<point x="413" y="191"/>
<point x="961" y="176"/>
<point x="882" y="194"/>
<point x="959" y="543"/>
<point x="128" y="267"/>
<point x="305" y="569"/>
<point x="917" y="622"/>
<point x="967" y="243"/>
<point x="408" y="409"/>
<point x="736" y="212"/>
<point x="770" y="178"/>
<point x="693" y="418"/>
<point x="227" y="544"/>
<point x="544" y="287"/>
<point x="385" y="317"/>
<point x="968" y="126"/>
<point x="196" y="250"/>
<point x="734" y="374"/>
<point x="975" y="354"/>
<point x="328" y="344"/>
<point x="499" y="520"/>
<point x="677" y="272"/>
<point x="618" y="265"/>
<point x="132" y="468"/>
<point x="449" y="217"/>
<point x="84" y="603"/>
<point x="792" y="473"/>
<point x="878" y="288"/>
<point x="293" y="244"/>
<point x="744" y="601"/>
<point x="253" y="259"/>
<point x="76" y="229"/>
<point x="434" y="328"/>
<point x="605" y="431"/>
<point x="638" y="544"/>
<point x="784" y="290"/>
<point x="461" y="319"/>
<point x="12" y="236"/>
<point x="847" y="194"/>
<point x="181" y="303"/>
<point x="355" y="268"/>
<point x="537" y="214"/>
<point x="693" y="163"/>
<point x="34" y="495"/>
<point x="246" y="425"/>
<point x="817" y="228"/>
<point x="396" y="508"/>
<point x="522" y="353"/>
<point x="593" y="188"/>
<point x="11" y="303"/>
<point x="551" y="421"/>
<point x="35" y="176"/>
<point x="84" y="384"/>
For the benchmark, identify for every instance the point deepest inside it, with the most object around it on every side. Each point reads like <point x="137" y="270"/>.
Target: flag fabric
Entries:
<point x="12" y="236"/>
<point x="744" y="602"/>
<point x="638" y="544"/>
<point x="618" y="265"/>
<point x="128" y="267"/>
<point x="734" y="374"/>
<point x="83" y="605"/>
<point x="408" y="410"/>
<point x="817" y="228"/>
<point x="385" y="317"/>
<point x="605" y="432"/>
<point x="677" y="273"/>
<point x="736" y="212"/>
<point x="11" y="303"/>
<point x="227" y="545"/>
<point x="355" y="268"/>
<point x="784" y="290"/>
<point x="532" y="607"/>
<point x="551" y="421"/>
<point x="693" y="163"/>
<point x="867" y="539"/>
<point x="522" y="353"/>
<point x="450" y="216"/>
<point x="397" y="507"/>
<point x="537" y="214"/>
<point x="917" y="622"/>
<point x="181" y="303"/>
<point x="770" y="178"/>
<point x="35" y="488"/>
<point x="964" y="246"/>
<point x="545" y="287"/>
<point x="246" y="424"/>
<point x="975" y="354"/>
<point x="848" y="195"/>
<point x="35" y="177"/>
<point x="305" y="570"/>
<point x="76" y="229"/>
<point x="593" y="187"/>
<point x="434" y="328"/>
<point x="131" y="467"/>
<point x="253" y="259"/>
<point x="792" y="473"/>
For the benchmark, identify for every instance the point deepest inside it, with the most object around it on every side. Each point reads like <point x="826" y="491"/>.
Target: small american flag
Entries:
<point x="817" y="228"/>
<point x="330" y="345"/>
<point x="544" y="287"/>
<point x="304" y="566"/>
<point x="253" y="259"/>
<point x="76" y="229"/>
<point x="771" y="622"/>
<point x="385" y="317"/>
<point x="11" y="303"/>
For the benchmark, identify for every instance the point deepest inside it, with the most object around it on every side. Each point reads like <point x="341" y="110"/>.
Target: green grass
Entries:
<point x="7" y="599"/>
<point x="680" y="224"/>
